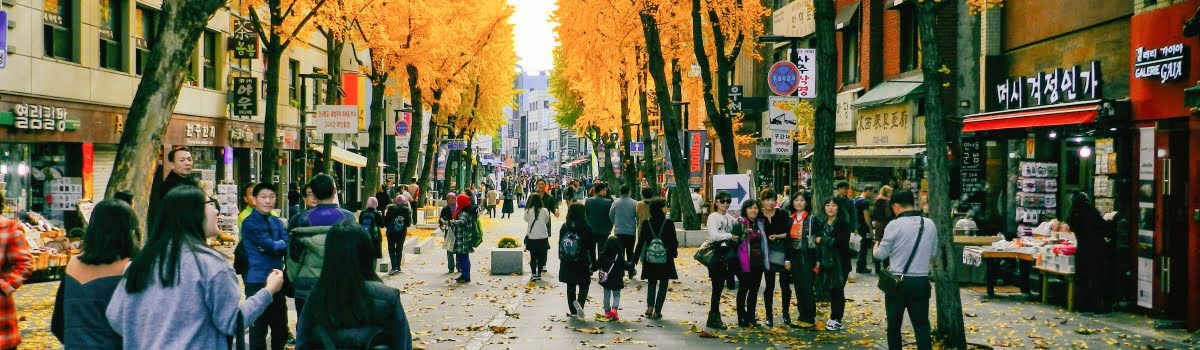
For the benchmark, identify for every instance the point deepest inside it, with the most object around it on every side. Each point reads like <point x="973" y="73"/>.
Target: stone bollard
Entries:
<point x="508" y="261"/>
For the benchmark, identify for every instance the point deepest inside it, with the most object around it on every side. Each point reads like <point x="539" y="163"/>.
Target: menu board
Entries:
<point x="971" y="168"/>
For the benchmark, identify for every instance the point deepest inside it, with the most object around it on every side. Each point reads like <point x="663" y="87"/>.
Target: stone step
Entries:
<point x="424" y="245"/>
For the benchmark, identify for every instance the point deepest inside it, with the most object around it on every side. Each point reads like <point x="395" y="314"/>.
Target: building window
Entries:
<point x="910" y="43"/>
<point x="143" y="36"/>
<point x="111" y="14"/>
<point x="210" y="60"/>
<point x="294" y="84"/>
<point x="850" y="65"/>
<point x="58" y="29"/>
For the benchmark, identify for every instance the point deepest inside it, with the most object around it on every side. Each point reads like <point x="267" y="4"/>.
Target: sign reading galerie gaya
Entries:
<point x="886" y="124"/>
<point x="1166" y="64"/>
<point x="1047" y="88"/>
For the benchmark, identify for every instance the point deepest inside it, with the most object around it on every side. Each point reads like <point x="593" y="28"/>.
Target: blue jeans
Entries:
<point x="615" y="296"/>
<point x="464" y="264"/>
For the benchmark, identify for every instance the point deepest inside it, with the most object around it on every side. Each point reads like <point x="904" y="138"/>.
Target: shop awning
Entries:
<point x="1053" y="115"/>
<point x="876" y="156"/>
<point x="891" y="92"/>
<point x="846" y="16"/>
<point x="343" y="156"/>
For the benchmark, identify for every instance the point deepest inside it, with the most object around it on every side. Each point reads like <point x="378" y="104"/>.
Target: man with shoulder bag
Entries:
<point x="909" y="244"/>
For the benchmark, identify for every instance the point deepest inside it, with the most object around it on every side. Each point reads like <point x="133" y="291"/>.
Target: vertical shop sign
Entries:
<point x="1146" y="218"/>
<point x="806" y="81"/>
<point x="88" y="158"/>
<point x="696" y="141"/>
<point x="245" y="96"/>
<point x="245" y="40"/>
<point x="971" y="169"/>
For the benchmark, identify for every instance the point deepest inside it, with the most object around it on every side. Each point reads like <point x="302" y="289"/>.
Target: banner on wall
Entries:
<point x="1146" y="218"/>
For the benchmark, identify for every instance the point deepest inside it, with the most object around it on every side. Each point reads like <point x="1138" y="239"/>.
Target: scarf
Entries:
<point x="463" y="201"/>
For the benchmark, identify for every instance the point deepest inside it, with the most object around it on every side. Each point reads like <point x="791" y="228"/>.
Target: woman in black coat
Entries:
<point x="1094" y="255"/>
<point x="657" y="274"/>
<point x="577" y="273"/>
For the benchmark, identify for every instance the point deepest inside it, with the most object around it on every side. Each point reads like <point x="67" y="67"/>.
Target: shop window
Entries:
<point x="111" y="34"/>
<point x="294" y="83"/>
<point x="144" y="23"/>
<point x="58" y="29"/>
<point x="210" y="60"/>
<point x="850" y="53"/>
<point x="910" y="43"/>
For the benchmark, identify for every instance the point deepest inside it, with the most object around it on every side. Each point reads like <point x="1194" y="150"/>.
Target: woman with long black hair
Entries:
<point x="802" y="258"/>
<point x="537" y="237"/>
<point x="92" y="277"/>
<point x="350" y="308"/>
<point x="181" y="287"/>
<point x="575" y="259"/>
<point x="831" y="232"/>
<point x="657" y="248"/>
<point x="752" y="261"/>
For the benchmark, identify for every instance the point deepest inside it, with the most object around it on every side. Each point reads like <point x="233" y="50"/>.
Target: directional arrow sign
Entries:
<point x="737" y="185"/>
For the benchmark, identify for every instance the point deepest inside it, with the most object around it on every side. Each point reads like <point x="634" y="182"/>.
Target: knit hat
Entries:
<point x="372" y="203"/>
<point x="401" y="200"/>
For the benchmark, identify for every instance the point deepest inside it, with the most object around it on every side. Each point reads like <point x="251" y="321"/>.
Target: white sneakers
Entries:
<point x="832" y="325"/>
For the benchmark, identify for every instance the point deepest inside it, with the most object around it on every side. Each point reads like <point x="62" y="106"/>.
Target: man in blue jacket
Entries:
<point x="265" y="240"/>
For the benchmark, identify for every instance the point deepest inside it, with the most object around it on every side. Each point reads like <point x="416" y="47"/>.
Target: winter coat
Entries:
<point x="393" y="212"/>
<point x="386" y="321"/>
<point x="306" y="245"/>
<point x="832" y="255"/>
<point x="265" y="240"/>
<point x="577" y="272"/>
<point x="463" y="228"/>
<point x="615" y="267"/>
<point x="666" y="230"/>
<point x="751" y="233"/>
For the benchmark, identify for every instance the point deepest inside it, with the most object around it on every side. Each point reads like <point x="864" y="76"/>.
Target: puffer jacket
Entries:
<point x="386" y="326"/>
<point x="304" y="265"/>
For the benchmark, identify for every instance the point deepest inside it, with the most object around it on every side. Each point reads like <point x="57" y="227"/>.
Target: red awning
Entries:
<point x="1075" y="113"/>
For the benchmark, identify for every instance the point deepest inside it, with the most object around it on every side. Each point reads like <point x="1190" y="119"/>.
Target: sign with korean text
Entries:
<point x="39" y="118"/>
<point x="696" y="141"/>
<point x="886" y="125"/>
<point x="460" y="144"/>
<point x="806" y="67"/>
<point x="245" y="40"/>
<point x="782" y="78"/>
<point x="846" y="113"/>
<point x="1165" y="64"/>
<point x="3" y="39"/>
<point x="403" y="125"/>
<point x="781" y="113"/>
<point x="781" y="143"/>
<point x="245" y="96"/>
<point x="735" y="99"/>
<point x="971" y="168"/>
<point x="337" y="119"/>
<point x="1061" y="85"/>
<point x="200" y="134"/>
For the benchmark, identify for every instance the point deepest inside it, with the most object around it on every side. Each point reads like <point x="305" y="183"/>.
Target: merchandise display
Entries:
<point x="1105" y="183"/>
<point x="1037" y="200"/>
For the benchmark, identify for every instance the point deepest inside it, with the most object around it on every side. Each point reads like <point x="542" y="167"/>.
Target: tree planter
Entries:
<point x="508" y="261"/>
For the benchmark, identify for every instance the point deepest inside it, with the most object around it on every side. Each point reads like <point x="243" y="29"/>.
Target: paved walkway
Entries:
<point x="508" y="312"/>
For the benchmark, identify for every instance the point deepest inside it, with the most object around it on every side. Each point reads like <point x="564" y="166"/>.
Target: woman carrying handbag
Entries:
<point x="537" y="238"/>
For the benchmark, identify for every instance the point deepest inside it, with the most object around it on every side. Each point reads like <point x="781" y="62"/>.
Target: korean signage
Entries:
<point x="1165" y="64"/>
<point x="1046" y="88"/>
<point x="696" y="141"/>
<point x="782" y="78"/>
<point x="244" y="39"/>
<point x="460" y="144"/>
<point x="335" y="119"/>
<point x="806" y="81"/>
<point x="3" y="39"/>
<point x="886" y="125"/>
<point x="245" y="96"/>
<point x="971" y="168"/>
<point x="200" y="134"/>
<point x="781" y="143"/>
<point x="781" y="114"/>
<point x="735" y="99"/>
<point x="846" y="113"/>
<point x="44" y="118"/>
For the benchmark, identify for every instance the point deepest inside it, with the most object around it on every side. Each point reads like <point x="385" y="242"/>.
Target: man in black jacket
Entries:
<point x="179" y="161"/>
<point x="596" y="209"/>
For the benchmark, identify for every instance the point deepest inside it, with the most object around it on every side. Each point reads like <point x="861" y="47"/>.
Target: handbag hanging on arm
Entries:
<point x="889" y="282"/>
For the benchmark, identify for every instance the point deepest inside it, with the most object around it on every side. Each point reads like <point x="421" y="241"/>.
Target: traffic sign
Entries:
<point x="401" y="128"/>
<point x="637" y="149"/>
<point x="737" y="185"/>
<point x="456" y="144"/>
<point x="781" y="113"/>
<point x="781" y="143"/>
<point x="782" y="78"/>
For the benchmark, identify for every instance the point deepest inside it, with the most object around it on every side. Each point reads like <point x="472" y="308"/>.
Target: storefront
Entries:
<point x="1167" y="144"/>
<point x="889" y="137"/>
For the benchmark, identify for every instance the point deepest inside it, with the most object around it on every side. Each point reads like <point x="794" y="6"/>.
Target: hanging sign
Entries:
<point x="696" y="141"/>
<point x="782" y="113"/>
<point x="782" y="78"/>
<point x="971" y="168"/>
<point x="1165" y="64"/>
<point x="735" y="99"/>
<point x="337" y="119"/>
<point x="806" y="67"/>
<point x="245" y="40"/>
<point x="245" y="96"/>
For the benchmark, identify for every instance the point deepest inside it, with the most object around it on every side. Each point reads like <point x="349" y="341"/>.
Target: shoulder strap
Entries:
<point x="920" y="232"/>
<point x="658" y="234"/>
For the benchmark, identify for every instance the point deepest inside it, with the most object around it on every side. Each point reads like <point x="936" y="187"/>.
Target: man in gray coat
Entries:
<point x="624" y="218"/>
<point x="597" y="208"/>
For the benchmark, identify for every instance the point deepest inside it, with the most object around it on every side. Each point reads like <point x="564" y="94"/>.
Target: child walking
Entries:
<point x="612" y="267"/>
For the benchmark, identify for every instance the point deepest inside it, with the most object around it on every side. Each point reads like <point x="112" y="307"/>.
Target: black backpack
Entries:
<point x="241" y="262"/>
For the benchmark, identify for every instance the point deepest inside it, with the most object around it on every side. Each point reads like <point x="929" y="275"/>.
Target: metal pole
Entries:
<point x="304" y="127"/>
<point x="792" y="178"/>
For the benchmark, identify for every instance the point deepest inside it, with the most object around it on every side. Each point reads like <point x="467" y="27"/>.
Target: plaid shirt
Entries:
<point x="15" y="266"/>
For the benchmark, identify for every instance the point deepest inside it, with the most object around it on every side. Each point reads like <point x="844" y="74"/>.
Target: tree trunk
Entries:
<point x="824" y="118"/>
<point x="648" y="170"/>
<point x="670" y="119"/>
<point x="371" y="179"/>
<point x="628" y="171"/>
<point x="157" y="93"/>
<point x="418" y="114"/>
<point x="430" y="147"/>
<point x="273" y="50"/>
<point x="717" y="110"/>
<point x="950" y="330"/>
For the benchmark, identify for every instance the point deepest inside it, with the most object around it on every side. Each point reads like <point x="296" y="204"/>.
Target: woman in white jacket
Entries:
<point x="720" y="236"/>
<point x="537" y="237"/>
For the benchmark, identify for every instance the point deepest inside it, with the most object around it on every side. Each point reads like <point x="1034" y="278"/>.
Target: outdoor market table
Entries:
<point x="1067" y="276"/>
<point x="1025" y="264"/>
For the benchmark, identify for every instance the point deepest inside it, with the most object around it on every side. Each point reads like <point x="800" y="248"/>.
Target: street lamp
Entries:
<point x="793" y="179"/>
<point x="304" y="110"/>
